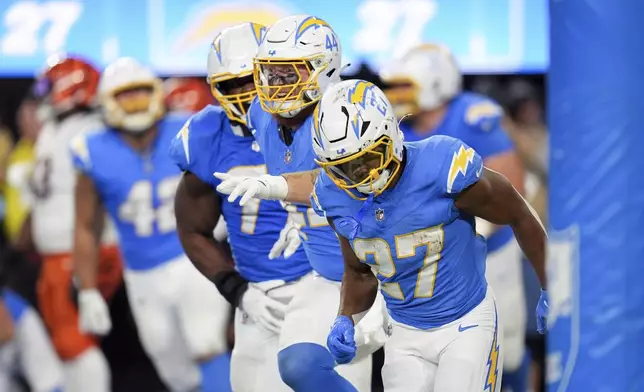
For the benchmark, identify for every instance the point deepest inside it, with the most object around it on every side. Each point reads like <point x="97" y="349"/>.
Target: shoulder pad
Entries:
<point x="461" y="167"/>
<point x="80" y="149"/>
<point x="327" y="199"/>
<point x="197" y="138"/>
<point x="482" y="113"/>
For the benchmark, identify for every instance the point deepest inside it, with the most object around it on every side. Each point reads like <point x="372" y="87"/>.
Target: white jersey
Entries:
<point x="53" y="183"/>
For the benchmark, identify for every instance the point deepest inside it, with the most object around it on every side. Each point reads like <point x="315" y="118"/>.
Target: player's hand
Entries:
<point x="94" y="316"/>
<point x="341" y="340"/>
<point x="288" y="242"/>
<point x="262" y="309"/>
<point x="263" y="187"/>
<point x="542" y="312"/>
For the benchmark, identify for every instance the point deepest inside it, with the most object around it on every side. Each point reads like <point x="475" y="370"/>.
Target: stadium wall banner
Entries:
<point x="487" y="36"/>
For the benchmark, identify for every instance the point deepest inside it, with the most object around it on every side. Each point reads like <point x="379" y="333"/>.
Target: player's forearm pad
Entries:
<point x="231" y="285"/>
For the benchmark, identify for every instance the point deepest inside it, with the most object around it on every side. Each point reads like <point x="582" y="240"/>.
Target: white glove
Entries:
<point x="94" y="316"/>
<point x="262" y="309"/>
<point x="221" y="230"/>
<point x="288" y="242"/>
<point x="263" y="187"/>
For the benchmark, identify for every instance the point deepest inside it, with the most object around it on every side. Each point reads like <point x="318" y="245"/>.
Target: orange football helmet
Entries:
<point x="187" y="94"/>
<point x="67" y="82"/>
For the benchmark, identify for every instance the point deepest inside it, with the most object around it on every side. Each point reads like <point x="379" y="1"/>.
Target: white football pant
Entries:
<point x="463" y="356"/>
<point x="311" y="314"/>
<point x="181" y="318"/>
<point x="31" y="355"/>
<point x="504" y="273"/>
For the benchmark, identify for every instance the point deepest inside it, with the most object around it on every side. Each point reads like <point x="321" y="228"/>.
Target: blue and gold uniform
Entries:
<point x="429" y="259"/>
<point x="208" y="143"/>
<point x="319" y="240"/>
<point x="431" y="265"/>
<point x="137" y="190"/>
<point x="476" y="120"/>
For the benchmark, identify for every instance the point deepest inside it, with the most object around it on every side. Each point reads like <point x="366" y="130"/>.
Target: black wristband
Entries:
<point x="231" y="285"/>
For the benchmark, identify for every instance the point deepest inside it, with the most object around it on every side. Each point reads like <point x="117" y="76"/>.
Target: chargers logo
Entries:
<point x="79" y="147"/>
<point x="310" y="22"/>
<point x="207" y="19"/>
<point x="184" y="136"/>
<point x="460" y="162"/>
<point x="563" y="319"/>
<point x="358" y="93"/>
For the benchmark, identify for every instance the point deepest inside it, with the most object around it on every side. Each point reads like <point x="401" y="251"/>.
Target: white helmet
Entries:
<point x="356" y="137"/>
<point x="299" y="58"/>
<point x="135" y="115"/>
<point x="230" y="59"/>
<point x="432" y="75"/>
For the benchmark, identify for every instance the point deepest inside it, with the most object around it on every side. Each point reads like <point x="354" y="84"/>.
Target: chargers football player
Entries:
<point x="425" y="85"/>
<point x="125" y="168"/>
<point x="299" y="58"/>
<point x="261" y="282"/>
<point x="406" y="211"/>
<point x="25" y="348"/>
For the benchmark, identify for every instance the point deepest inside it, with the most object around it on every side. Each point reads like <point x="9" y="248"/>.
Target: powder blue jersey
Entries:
<point x="429" y="259"/>
<point x="137" y="189"/>
<point x="476" y="120"/>
<point x="16" y="305"/>
<point x="319" y="240"/>
<point x="207" y="144"/>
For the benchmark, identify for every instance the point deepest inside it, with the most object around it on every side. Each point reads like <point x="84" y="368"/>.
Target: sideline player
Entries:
<point x="25" y="348"/>
<point x="69" y="87"/>
<point x="125" y="169"/>
<point x="186" y="94"/>
<point x="425" y="84"/>
<point x="262" y="282"/>
<point x="299" y="58"/>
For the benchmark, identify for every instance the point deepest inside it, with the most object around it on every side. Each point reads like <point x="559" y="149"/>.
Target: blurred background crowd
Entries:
<point x="173" y="38"/>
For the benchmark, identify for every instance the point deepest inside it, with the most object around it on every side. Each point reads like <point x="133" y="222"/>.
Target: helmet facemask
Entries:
<point x="369" y="171"/>
<point x="234" y="93"/>
<point x="403" y="96"/>
<point x="135" y="108"/>
<point x="285" y="87"/>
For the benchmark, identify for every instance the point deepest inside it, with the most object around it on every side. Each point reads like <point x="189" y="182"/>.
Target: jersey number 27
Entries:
<point x="139" y="209"/>
<point x="406" y="245"/>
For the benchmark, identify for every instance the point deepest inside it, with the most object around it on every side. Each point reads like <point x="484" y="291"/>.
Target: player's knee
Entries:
<point x="298" y="361"/>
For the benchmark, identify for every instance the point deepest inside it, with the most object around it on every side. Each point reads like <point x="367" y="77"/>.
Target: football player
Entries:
<point x="25" y="348"/>
<point x="299" y="58"/>
<point x="68" y="85"/>
<point x="406" y="211"/>
<point x="261" y="282"/>
<point x="190" y="95"/>
<point x="125" y="168"/>
<point x="425" y="85"/>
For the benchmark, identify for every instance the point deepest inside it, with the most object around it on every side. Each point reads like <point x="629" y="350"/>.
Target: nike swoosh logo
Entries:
<point x="461" y="328"/>
<point x="479" y="171"/>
